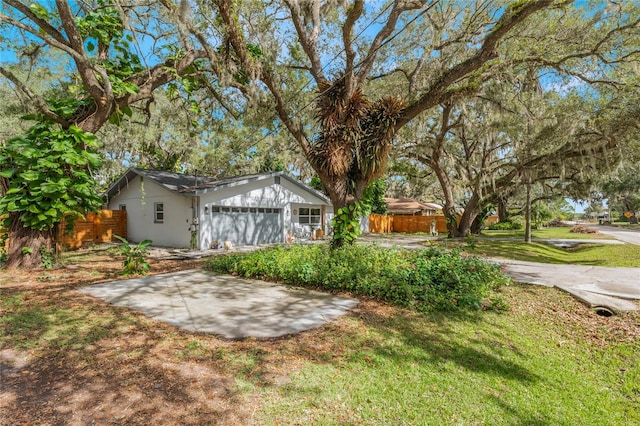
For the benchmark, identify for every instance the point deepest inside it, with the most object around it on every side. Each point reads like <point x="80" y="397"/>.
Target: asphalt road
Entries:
<point x="627" y="235"/>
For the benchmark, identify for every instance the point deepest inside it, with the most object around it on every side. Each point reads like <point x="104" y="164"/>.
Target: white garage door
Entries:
<point x="247" y="225"/>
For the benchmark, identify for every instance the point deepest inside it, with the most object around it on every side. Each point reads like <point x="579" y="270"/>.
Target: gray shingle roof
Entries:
<point x="196" y="185"/>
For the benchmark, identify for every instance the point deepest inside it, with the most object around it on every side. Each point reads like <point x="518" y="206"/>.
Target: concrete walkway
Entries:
<point x="231" y="307"/>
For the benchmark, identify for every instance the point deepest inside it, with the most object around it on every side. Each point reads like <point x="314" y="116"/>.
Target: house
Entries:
<point x="411" y="207"/>
<point x="246" y="210"/>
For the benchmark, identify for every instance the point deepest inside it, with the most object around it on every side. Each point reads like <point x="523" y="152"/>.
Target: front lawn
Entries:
<point x="551" y="233"/>
<point x="614" y="255"/>
<point x="69" y="358"/>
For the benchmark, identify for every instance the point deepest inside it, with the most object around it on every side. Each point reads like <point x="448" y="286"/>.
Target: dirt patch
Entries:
<point x="69" y="359"/>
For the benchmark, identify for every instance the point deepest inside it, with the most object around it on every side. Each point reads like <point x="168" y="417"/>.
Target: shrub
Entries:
<point x="134" y="262"/>
<point x="3" y="244"/>
<point x="430" y="279"/>
<point x="47" y="257"/>
<point x="506" y="226"/>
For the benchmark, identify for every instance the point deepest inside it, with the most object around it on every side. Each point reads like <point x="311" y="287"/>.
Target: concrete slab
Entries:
<point x="595" y="285"/>
<point x="594" y="300"/>
<point x="231" y="307"/>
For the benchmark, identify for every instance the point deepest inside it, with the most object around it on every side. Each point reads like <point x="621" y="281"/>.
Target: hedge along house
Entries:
<point x="246" y="210"/>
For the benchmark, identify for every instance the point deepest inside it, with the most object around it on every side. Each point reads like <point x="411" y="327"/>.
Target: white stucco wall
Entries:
<point x="139" y="197"/>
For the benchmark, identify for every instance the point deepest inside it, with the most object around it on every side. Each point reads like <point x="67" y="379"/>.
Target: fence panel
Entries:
<point x="380" y="224"/>
<point x="407" y="224"/>
<point x="95" y="228"/>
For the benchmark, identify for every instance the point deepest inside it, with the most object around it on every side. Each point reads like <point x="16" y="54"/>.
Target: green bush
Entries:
<point x="134" y="262"/>
<point x="506" y="226"/>
<point x="3" y="243"/>
<point x="426" y="280"/>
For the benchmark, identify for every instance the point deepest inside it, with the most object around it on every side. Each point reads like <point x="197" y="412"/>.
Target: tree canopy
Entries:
<point x="334" y="89"/>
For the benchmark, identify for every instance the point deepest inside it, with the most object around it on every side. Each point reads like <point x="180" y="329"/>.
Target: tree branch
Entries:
<point x="39" y="103"/>
<point x="239" y="46"/>
<point x="102" y="94"/>
<point x="44" y="25"/>
<point x="355" y="11"/>
<point x="309" y="42"/>
<point x="433" y="96"/>
<point x="383" y="34"/>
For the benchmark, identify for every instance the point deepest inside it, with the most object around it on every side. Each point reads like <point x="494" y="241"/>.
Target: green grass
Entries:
<point x="560" y="232"/>
<point x="615" y="255"/>
<point x="548" y="360"/>
<point x="511" y="369"/>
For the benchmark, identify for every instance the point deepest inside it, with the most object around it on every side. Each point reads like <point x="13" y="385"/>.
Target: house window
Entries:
<point x="308" y="216"/>
<point x="277" y="180"/>
<point x="215" y="209"/>
<point x="122" y="207"/>
<point x="158" y="212"/>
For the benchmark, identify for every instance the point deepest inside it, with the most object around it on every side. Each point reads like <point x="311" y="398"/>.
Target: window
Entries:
<point x="308" y="216"/>
<point x="122" y="207"/>
<point x="277" y="180"/>
<point x="158" y="209"/>
<point x="215" y="209"/>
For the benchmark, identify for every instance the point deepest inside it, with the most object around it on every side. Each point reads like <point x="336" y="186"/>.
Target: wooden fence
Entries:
<point x="95" y="228"/>
<point x="382" y="224"/>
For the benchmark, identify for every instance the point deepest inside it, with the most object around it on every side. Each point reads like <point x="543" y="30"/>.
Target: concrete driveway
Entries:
<point x="231" y="307"/>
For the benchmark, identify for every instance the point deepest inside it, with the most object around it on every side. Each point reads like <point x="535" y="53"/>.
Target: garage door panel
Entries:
<point x="251" y="228"/>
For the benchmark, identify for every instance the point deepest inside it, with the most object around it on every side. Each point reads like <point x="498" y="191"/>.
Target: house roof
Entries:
<point x="190" y="185"/>
<point x="409" y="205"/>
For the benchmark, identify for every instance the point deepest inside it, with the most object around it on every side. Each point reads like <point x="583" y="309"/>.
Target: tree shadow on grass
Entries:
<point x="443" y="344"/>
<point x="536" y="252"/>
<point x="70" y="358"/>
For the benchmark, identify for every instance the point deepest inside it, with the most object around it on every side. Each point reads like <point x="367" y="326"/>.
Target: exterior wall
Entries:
<point x="139" y="198"/>
<point x="264" y="193"/>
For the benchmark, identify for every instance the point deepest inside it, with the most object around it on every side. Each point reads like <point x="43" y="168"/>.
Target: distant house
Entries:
<point x="245" y="210"/>
<point x="411" y="207"/>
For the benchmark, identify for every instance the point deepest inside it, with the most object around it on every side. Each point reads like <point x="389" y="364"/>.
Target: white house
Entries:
<point x="245" y="210"/>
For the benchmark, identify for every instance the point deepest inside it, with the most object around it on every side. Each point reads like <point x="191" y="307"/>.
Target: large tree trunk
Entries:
<point x="25" y="245"/>
<point x="471" y="211"/>
<point x="527" y="225"/>
<point x="456" y="227"/>
<point x="503" y="214"/>
<point x="338" y="192"/>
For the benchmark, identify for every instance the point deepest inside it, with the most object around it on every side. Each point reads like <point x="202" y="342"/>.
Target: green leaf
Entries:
<point x="13" y="191"/>
<point x="8" y="173"/>
<point x="90" y="47"/>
